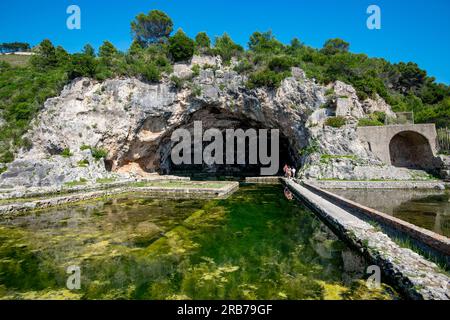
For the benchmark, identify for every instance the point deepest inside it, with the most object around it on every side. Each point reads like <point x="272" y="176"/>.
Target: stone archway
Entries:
<point x="412" y="150"/>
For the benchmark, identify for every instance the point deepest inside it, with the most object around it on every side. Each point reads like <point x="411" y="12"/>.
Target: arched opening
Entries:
<point x="411" y="150"/>
<point x="152" y="152"/>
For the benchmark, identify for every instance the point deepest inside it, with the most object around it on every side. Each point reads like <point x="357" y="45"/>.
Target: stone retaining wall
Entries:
<point x="430" y="239"/>
<point x="331" y="184"/>
<point x="410" y="273"/>
<point x="169" y="193"/>
<point x="35" y="192"/>
<point x="263" y="180"/>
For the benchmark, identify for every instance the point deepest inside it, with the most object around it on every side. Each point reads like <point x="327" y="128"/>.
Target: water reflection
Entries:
<point x="429" y="209"/>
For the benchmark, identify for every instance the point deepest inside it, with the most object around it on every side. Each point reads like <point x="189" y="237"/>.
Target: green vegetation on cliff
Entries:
<point x="25" y="86"/>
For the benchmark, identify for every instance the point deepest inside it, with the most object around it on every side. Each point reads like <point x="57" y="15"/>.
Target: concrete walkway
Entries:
<point x="413" y="275"/>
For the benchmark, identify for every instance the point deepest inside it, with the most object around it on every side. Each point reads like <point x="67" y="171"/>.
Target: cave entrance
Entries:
<point x="411" y="150"/>
<point x="222" y="120"/>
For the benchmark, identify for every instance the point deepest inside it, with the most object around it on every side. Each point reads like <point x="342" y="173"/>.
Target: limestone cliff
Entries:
<point x="133" y="121"/>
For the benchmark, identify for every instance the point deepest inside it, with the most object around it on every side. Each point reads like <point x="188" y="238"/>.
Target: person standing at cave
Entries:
<point x="285" y="170"/>
<point x="289" y="173"/>
<point x="294" y="171"/>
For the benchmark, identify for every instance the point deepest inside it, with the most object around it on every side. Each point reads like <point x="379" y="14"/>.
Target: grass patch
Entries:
<point x="16" y="60"/>
<point x="106" y="180"/>
<point x="80" y="182"/>
<point x="99" y="153"/>
<point x="336" y="122"/>
<point x="326" y="158"/>
<point x="83" y="163"/>
<point x="66" y="153"/>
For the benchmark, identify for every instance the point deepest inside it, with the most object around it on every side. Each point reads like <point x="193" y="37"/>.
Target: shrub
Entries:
<point x="152" y="73"/>
<point x="177" y="82"/>
<point x="107" y="52"/>
<point x="226" y="48"/>
<point x="66" y="153"/>
<point x="196" y="70"/>
<point x="83" y="163"/>
<point x="196" y="91"/>
<point x="243" y="66"/>
<point x="45" y="57"/>
<point x="380" y="116"/>
<point x="181" y="47"/>
<point x="85" y="147"/>
<point x="367" y="122"/>
<point x="329" y="92"/>
<point x="280" y="64"/>
<point x="82" y="65"/>
<point x="264" y="42"/>
<point x="336" y="122"/>
<point x="266" y="78"/>
<point x="334" y="46"/>
<point x="7" y="157"/>
<point x="375" y="119"/>
<point x="4" y="65"/>
<point x="202" y="40"/>
<point x="99" y="153"/>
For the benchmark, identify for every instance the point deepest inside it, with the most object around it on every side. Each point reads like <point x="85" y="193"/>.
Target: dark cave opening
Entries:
<point x="221" y="120"/>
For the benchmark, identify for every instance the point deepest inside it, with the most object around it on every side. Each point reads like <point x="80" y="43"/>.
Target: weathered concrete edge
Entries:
<point x="170" y="193"/>
<point x="424" y="284"/>
<point x="47" y="191"/>
<point x="264" y="180"/>
<point x="436" y="241"/>
<point x="331" y="184"/>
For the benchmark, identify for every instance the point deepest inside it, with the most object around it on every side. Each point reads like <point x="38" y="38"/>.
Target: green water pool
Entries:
<point x="254" y="245"/>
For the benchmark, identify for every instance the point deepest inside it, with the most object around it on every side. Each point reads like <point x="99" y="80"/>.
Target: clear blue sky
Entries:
<point x="412" y="30"/>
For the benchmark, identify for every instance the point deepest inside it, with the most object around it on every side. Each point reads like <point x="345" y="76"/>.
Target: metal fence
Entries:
<point x="443" y="135"/>
<point x="400" y="118"/>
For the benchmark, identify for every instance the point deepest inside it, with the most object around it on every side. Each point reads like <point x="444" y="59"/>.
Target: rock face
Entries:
<point x="347" y="102"/>
<point x="133" y="121"/>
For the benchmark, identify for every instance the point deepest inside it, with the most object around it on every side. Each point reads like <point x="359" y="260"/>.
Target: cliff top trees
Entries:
<point x="89" y="50"/>
<point x="264" y="42"/>
<point x="181" y="47"/>
<point x="46" y="55"/>
<point x="155" y="27"/>
<point x="107" y="50"/>
<point x="14" y="47"/>
<point x="226" y="48"/>
<point x="334" y="46"/>
<point x="202" y="40"/>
